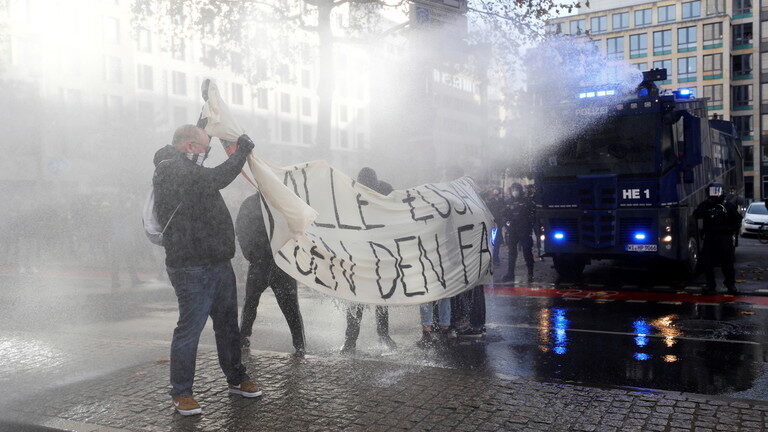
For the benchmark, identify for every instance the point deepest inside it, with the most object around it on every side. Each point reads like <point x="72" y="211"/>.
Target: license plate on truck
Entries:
<point x="641" y="248"/>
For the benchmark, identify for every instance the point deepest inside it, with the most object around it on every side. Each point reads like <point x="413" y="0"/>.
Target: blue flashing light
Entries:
<point x="639" y="236"/>
<point x="685" y="93"/>
<point x="560" y="324"/>
<point x="641" y="356"/>
<point x="494" y="235"/>
<point x="643" y="92"/>
<point x="558" y="235"/>
<point x="642" y="330"/>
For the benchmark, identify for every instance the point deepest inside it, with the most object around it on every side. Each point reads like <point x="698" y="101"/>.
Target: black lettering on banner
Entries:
<point x="447" y="201"/>
<point x="462" y="246"/>
<point x="423" y="253"/>
<point x="296" y="259"/>
<point x="351" y="278"/>
<point x="402" y="267"/>
<point x="409" y="200"/>
<point x="289" y="175"/>
<point x="316" y="254"/>
<point x="360" y="203"/>
<point x="270" y="219"/>
<point x="336" y="208"/>
<point x="467" y="195"/>
<point x="283" y="256"/>
<point x="462" y="195"/>
<point x="330" y="259"/>
<point x="458" y="199"/>
<point x="391" y="291"/>
<point x="484" y="249"/>
<point x="306" y="189"/>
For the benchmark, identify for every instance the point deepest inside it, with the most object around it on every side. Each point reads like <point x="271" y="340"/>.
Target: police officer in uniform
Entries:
<point x="721" y="222"/>
<point x="519" y="218"/>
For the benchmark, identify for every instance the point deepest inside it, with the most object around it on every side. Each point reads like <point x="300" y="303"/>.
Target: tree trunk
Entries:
<point x="325" y="79"/>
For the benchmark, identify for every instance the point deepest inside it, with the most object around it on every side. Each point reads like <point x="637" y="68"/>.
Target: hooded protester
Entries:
<point x="367" y="177"/>
<point x="263" y="272"/>
<point x="519" y="218"/>
<point x="721" y="222"/>
<point x="199" y="242"/>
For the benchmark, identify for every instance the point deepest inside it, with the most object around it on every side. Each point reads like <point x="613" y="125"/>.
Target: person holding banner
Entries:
<point x="263" y="272"/>
<point x="199" y="242"/>
<point x="367" y="177"/>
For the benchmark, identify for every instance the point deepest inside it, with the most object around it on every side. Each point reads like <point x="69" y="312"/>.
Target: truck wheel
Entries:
<point x="569" y="267"/>
<point x="692" y="260"/>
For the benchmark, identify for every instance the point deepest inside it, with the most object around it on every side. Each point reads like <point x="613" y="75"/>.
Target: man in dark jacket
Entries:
<point x="263" y="272"/>
<point x="496" y="206"/>
<point x="721" y="223"/>
<point x="367" y="177"/>
<point x="199" y="243"/>
<point x="519" y="217"/>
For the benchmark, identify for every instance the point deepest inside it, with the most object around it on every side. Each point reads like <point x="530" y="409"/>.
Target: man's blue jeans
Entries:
<point x="202" y="291"/>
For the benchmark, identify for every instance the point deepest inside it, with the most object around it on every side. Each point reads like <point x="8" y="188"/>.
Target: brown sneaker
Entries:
<point x="246" y="389"/>
<point x="186" y="405"/>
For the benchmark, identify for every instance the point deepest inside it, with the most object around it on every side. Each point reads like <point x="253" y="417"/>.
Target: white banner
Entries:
<point x="343" y="239"/>
<point x="409" y="247"/>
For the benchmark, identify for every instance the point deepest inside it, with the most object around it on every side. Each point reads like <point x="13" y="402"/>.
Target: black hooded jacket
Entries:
<point x="251" y="231"/>
<point x="201" y="231"/>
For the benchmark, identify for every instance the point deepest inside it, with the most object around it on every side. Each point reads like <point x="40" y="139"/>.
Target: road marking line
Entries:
<point x="670" y="302"/>
<point x="707" y="304"/>
<point x="573" y="298"/>
<point x="658" y="336"/>
<point x="754" y="306"/>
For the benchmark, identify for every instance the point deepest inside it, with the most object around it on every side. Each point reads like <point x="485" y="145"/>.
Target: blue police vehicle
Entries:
<point x="626" y="186"/>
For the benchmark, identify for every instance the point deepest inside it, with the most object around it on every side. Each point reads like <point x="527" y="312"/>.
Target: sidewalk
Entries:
<point x="337" y="393"/>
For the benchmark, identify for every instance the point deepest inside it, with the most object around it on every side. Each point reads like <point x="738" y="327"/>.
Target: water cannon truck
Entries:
<point x="626" y="186"/>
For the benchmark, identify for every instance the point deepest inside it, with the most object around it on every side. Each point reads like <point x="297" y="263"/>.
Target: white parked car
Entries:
<point x="756" y="216"/>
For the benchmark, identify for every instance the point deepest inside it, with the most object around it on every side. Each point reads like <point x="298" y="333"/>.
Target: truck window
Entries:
<point x="668" y="153"/>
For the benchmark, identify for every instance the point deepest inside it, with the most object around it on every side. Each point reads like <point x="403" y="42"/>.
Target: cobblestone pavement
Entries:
<point x="337" y="393"/>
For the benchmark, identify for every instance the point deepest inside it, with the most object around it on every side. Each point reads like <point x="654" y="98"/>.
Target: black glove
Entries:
<point x="244" y="142"/>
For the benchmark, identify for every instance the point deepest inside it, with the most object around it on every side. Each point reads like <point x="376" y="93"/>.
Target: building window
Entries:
<point x="111" y="30"/>
<point x="715" y="7"/>
<point x="306" y="134"/>
<point x="360" y="141"/>
<point x="577" y="26"/>
<point x="620" y="20"/>
<point x="691" y="10"/>
<point x="664" y="64"/>
<point x="144" y="40"/>
<point x="741" y="65"/>
<point x="179" y="83"/>
<point x="743" y="125"/>
<point x="285" y="102"/>
<point x="237" y="94"/>
<point x="641" y="66"/>
<point x="742" y="34"/>
<point x="666" y="14"/>
<point x="306" y="106"/>
<point x="715" y="95"/>
<point x="113" y="70"/>
<point x="555" y="28"/>
<point x="306" y="80"/>
<point x="686" y="68"/>
<point x="615" y="47"/>
<point x="236" y="63"/>
<point x="638" y="45"/>
<point x="749" y="183"/>
<point x="342" y="113"/>
<point x="742" y="95"/>
<point x="713" y="63"/>
<point x="749" y="157"/>
<point x="178" y="49"/>
<point x="262" y="98"/>
<point x="662" y="41"/>
<point x="360" y="116"/>
<point x="713" y="33"/>
<point x="742" y="7"/>
<point x="686" y="38"/>
<point x="598" y="24"/>
<point x="764" y="93"/>
<point x="285" y="131"/>
<point x="643" y="17"/>
<point x="144" y="77"/>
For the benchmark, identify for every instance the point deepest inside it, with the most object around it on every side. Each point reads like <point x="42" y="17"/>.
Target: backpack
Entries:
<point x="152" y="227"/>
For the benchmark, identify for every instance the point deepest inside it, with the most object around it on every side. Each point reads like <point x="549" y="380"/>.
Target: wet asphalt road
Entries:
<point x="623" y="326"/>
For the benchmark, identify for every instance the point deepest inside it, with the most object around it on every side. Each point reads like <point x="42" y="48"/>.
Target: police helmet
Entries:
<point x="715" y="190"/>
